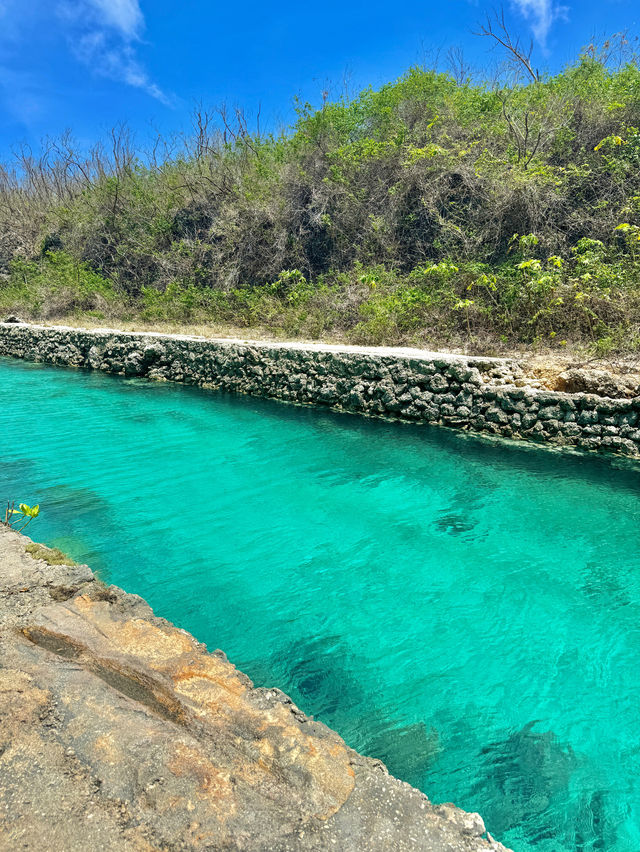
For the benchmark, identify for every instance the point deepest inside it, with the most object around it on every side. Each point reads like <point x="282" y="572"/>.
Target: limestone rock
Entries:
<point x="118" y="731"/>
<point x="458" y="391"/>
<point x="597" y="382"/>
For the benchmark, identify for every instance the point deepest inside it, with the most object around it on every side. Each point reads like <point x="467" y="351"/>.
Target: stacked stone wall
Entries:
<point x="487" y="395"/>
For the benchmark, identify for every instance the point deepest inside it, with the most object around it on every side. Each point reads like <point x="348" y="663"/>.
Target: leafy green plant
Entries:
<point x="21" y="517"/>
<point x="632" y="237"/>
<point x="435" y="209"/>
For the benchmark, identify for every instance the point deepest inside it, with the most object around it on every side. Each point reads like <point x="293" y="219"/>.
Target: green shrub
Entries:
<point x="427" y="210"/>
<point x="54" y="285"/>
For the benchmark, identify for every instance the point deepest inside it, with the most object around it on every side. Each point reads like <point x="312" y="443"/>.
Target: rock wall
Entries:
<point x="488" y="395"/>
<point x="119" y="732"/>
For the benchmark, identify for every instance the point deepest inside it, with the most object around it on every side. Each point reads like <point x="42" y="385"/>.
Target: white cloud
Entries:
<point x="102" y="34"/>
<point x="115" y="59"/>
<point x="123" y="15"/>
<point x="542" y="14"/>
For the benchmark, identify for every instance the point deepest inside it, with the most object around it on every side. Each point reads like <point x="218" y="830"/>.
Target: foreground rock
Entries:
<point x="120" y="732"/>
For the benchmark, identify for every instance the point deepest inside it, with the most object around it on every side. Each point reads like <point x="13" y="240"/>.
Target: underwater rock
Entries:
<point x="523" y="775"/>
<point x="321" y="677"/>
<point x="408" y="751"/>
<point x="455" y="524"/>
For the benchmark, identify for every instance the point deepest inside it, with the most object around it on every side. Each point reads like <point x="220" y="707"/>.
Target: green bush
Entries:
<point x="56" y="284"/>
<point x="428" y="210"/>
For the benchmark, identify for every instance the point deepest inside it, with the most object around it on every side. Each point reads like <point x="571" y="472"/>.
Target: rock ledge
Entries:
<point x="118" y="731"/>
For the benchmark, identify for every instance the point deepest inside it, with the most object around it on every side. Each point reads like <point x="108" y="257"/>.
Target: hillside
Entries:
<point x="459" y="213"/>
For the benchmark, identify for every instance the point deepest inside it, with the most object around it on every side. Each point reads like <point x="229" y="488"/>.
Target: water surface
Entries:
<point x="467" y="611"/>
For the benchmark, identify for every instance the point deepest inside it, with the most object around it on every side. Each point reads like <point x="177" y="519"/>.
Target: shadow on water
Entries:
<point x="595" y="829"/>
<point x="61" y="498"/>
<point x="524" y="772"/>
<point x="16" y="479"/>
<point x="603" y="583"/>
<point x="61" y="506"/>
<point x="318" y="674"/>
<point x="526" y="787"/>
<point x="455" y="523"/>
<point x="407" y="750"/>
<point x="75" y="510"/>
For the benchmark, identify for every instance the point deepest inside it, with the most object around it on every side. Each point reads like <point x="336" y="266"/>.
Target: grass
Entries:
<point x="50" y="555"/>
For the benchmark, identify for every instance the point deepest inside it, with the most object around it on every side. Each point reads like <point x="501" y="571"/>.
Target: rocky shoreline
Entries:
<point x="494" y="396"/>
<point x="119" y="731"/>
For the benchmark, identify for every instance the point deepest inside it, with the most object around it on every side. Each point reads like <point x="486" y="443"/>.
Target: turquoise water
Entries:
<point x="468" y="612"/>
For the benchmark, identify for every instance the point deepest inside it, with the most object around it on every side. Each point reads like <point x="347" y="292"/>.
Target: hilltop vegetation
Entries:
<point x="433" y="210"/>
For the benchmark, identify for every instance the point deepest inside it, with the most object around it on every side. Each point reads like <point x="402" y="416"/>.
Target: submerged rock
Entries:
<point x="526" y="772"/>
<point x="408" y="750"/>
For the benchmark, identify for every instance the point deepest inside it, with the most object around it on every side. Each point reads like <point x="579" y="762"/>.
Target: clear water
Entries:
<point x="469" y="612"/>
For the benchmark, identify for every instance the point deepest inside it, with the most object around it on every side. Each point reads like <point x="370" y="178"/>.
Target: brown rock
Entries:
<point x="118" y="731"/>
<point x="599" y="382"/>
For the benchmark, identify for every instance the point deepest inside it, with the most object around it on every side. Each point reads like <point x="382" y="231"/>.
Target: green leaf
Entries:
<point x="30" y="511"/>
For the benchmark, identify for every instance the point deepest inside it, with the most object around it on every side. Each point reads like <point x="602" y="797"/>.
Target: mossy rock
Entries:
<point x="51" y="555"/>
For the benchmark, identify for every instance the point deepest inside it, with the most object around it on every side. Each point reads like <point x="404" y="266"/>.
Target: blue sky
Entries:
<point x="86" y="65"/>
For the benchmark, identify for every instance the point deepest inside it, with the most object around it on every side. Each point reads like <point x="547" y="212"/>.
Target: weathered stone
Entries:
<point x="431" y="414"/>
<point x="496" y="415"/>
<point x="384" y="382"/>
<point x="464" y="398"/>
<point x="537" y="432"/>
<point x="133" y="364"/>
<point x="120" y="732"/>
<point x="570" y="429"/>
<point x="587" y="416"/>
<point x="438" y="383"/>
<point x="576" y="380"/>
<point x="628" y="418"/>
<point x="447" y="399"/>
<point x="550" y="412"/>
<point x="94" y="358"/>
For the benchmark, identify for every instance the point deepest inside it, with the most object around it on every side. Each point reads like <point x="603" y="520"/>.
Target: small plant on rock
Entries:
<point x="21" y="517"/>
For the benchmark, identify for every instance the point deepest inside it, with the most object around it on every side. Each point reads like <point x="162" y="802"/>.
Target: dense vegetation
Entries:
<point x="436" y="210"/>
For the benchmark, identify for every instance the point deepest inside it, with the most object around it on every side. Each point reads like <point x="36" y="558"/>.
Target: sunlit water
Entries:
<point x="468" y="612"/>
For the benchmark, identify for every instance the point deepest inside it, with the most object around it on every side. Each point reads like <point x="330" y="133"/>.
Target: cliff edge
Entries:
<point x="118" y="731"/>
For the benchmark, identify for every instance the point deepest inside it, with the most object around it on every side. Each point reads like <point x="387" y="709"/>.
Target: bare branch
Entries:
<point x="457" y="65"/>
<point x="496" y="29"/>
